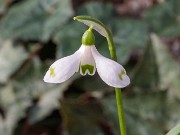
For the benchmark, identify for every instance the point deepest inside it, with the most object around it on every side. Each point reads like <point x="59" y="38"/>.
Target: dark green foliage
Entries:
<point x="164" y="18"/>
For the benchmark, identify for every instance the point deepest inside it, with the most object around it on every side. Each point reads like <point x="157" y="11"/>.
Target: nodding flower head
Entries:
<point x="87" y="60"/>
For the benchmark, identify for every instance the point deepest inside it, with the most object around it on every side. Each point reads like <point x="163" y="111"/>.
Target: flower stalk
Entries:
<point x="122" y="124"/>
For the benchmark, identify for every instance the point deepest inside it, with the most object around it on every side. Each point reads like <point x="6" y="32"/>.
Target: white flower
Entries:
<point x="86" y="60"/>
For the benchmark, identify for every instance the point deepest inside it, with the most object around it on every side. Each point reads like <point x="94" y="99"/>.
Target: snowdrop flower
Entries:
<point x="86" y="60"/>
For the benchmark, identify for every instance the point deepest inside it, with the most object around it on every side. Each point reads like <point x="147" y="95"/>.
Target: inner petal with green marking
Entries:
<point x="121" y="74"/>
<point x="87" y="69"/>
<point x="87" y="65"/>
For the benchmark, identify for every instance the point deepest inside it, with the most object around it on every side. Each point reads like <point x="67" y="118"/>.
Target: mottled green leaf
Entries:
<point x="69" y="38"/>
<point x="157" y="68"/>
<point x="144" y="114"/>
<point x="162" y="17"/>
<point x="128" y="35"/>
<point x="96" y="10"/>
<point x="11" y="58"/>
<point x="61" y="14"/>
<point x="7" y="96"/>
<point x="2" y="6"/>
<point x="48" y="102"/>
<point x="168" y="68"/>
<point x="173" y="112"/>
<point x="13" y="115"/>
<point x="35" y="19"/>
<point x="82" y="117"/>
<point x="174" y="131"/>
<point x="145" y="75"/>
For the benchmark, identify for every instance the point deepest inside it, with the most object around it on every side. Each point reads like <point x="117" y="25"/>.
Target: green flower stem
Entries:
<point x="119" y="102"/>
<point x="112" y="48"/>
<point x="101" y="28"/>
<point x="120" y="111"/>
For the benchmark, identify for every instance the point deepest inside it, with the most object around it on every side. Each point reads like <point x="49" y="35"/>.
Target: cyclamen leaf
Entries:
<point x="61" y="14"/>
<point x="163" y="17"/>
<point x="11" y="58"/>
<point x="174" y="131"/>
<point x="35" y="19"/>
<point x="164" y="72"/>
<point x="129" y="35"/>
<point x="7" y="96"/>
<point x="82" y="117"/>
<point x="149" y="120"/>
<point x="71" y="31"/>
<point x="2" y="6"/>
<point x="13" y="115"/>
<point x="48" y="102"/>
<point x="168" y="68"/>
<point x="143" y="76"/>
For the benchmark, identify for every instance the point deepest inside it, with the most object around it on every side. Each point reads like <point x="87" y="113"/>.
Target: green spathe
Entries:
<point x="88" y="67"/>
<point x="88" y="37"/>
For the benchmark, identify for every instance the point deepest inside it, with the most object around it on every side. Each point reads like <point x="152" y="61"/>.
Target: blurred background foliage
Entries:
<point x="34" y="33"/>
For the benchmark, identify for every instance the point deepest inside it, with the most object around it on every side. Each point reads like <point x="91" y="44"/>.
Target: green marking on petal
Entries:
<point x="52" y="72"/>
<point x="121" y="74"/>
<point x="88" y="67"/>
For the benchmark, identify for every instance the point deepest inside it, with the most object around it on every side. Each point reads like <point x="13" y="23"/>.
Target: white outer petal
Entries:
<point x="109" y="70"/>
<point x="87" y="58"/>
<point x="64" y="68"/>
